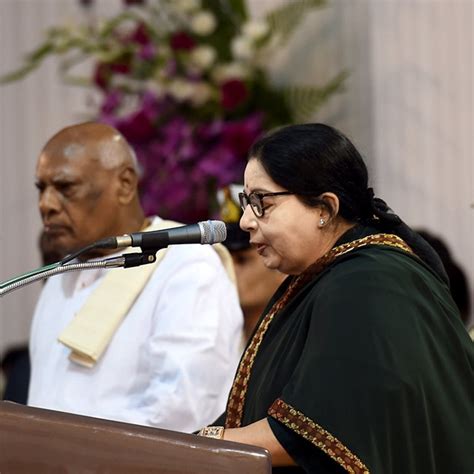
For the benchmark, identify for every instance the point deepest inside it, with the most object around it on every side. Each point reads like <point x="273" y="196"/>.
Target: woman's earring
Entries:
<point x="322" y="222"/>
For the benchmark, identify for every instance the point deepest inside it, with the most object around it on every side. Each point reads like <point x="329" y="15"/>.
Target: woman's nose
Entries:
<point x="248" y="219"/>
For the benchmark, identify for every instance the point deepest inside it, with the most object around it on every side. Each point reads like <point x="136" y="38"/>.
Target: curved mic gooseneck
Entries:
<point x="125" y="261"/>
<point x="207" y="232"/>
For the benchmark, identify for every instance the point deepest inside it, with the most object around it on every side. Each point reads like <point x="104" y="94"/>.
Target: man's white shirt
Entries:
<point x="171" y="362"/>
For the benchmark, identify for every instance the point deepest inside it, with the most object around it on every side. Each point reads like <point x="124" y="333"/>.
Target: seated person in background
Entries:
<point x="15" y="368"/>
<point x="154" y="345"/>
<point x="256" y="283"/>
<point x="361" y="362"/>
<point x="457" y="278"/>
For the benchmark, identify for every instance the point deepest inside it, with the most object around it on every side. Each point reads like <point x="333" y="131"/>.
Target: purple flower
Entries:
<point x="147" y="52"/>
<point x="182" y="163"/>
<point x="171" y="67"/>
<point x="110" y="103"/>
<point x="240" y="134"/>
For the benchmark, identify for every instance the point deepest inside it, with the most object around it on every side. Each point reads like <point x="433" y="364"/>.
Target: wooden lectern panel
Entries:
<point x="37" y="441"/>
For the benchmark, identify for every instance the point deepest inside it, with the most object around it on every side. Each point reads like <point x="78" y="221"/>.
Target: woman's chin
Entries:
<point x="271" y="263"/>
<point x="270" y="259"/>
<point x="280" y="266"/>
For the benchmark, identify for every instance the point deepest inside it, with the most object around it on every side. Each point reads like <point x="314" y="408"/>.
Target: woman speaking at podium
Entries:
<point x="360" y="362"/>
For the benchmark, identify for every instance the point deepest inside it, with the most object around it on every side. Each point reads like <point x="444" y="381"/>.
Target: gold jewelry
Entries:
<point x="216" y="432"/>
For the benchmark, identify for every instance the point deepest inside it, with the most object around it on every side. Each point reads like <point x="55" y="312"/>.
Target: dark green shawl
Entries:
<point x="367" y="367"/>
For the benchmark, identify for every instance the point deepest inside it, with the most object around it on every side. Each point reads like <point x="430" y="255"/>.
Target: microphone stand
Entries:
<point x="126" y="260"/>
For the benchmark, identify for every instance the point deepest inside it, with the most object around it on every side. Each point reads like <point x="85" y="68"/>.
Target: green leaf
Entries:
<point x="240" y="8"/>
<point x="40" y="52"/>
<point x="72" y="60"/>
<point x="236" y="10"/>
<point x="79" y="81"/>
<point x="19" y="73"/>
<point x="284" y="20"/>
<point x="304" y="101"/>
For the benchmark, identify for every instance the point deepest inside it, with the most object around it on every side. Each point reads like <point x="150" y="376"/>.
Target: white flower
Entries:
<point x="228" y="71"/>
<point x="255" y="29"/>
<point x="130" y="104"/>
<point x="187" y="6"/>
<point x="180" y="89"/>
<point x="154" y="86"/>
<point x="203" y="57"/>
<point x="242" y="48"/>
<point x="124" y="28"/>
<point x="203" y="23"/>
<point x="198" y="93"/>
<point x="202" y="92"/>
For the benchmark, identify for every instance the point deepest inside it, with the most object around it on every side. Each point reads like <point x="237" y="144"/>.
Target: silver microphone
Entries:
<point x="205" y="232"/>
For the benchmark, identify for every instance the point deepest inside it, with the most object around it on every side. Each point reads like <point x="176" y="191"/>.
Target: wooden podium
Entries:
<point x="37" y="441"/>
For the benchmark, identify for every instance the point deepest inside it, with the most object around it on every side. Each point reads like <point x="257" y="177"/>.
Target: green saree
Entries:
<point x="362" y="364"/>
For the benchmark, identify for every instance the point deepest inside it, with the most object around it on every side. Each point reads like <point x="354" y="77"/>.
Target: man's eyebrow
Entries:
<point x="59" y="180"/>
<point x="65" y="179"/>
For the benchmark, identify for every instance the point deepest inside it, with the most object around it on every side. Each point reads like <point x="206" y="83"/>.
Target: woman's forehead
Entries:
<point x="257" y="179"/>
<point x="255" y="174"/>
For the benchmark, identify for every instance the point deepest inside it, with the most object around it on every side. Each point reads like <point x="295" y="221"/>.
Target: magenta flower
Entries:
<point x="140" y="35"/>
<point x="103" y="72"/>
<point x="182" y="41"/>
<point x="139" y="125"/>
<point x="233" y="93"/>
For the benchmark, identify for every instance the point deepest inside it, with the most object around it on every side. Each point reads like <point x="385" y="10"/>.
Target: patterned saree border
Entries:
<point x="317" y="435"/>
<point x="235" y="404"/>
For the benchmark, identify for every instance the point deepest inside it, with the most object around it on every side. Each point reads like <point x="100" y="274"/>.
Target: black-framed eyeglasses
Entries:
<point x="255" y="200"/>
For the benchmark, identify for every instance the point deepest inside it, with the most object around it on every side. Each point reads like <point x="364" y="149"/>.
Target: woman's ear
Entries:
<point x="128" y="183"/>
<point x="331" y="208"/>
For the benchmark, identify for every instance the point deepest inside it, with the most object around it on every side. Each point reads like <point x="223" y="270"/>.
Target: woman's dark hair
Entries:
<point x="311" y="159"/>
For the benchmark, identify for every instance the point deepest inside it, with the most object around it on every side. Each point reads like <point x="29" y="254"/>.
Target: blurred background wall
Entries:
<point x="408" y="106"/>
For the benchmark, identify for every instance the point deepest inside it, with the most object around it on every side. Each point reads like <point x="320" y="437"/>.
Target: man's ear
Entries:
<point x="128" y="183"/>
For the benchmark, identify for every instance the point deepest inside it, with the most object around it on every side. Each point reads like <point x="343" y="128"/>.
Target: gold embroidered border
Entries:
<point x="235" y="405"/>
<point x="315" y="434"/>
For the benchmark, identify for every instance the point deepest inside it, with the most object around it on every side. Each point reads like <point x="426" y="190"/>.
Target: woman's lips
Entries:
<point x="260" y="248"/>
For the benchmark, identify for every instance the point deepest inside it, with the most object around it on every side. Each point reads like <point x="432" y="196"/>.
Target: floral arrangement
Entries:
<point x="185" y="83"/>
